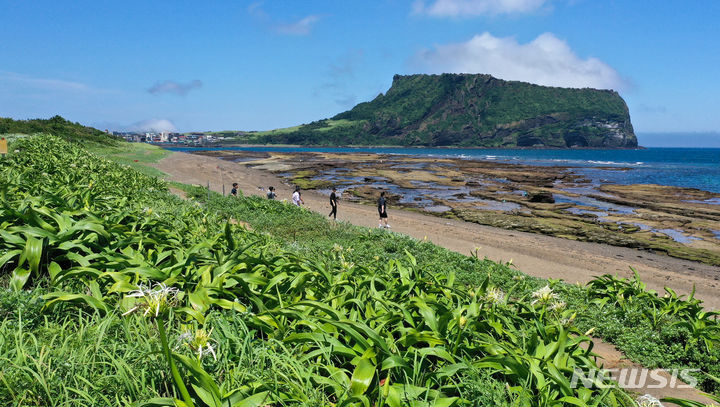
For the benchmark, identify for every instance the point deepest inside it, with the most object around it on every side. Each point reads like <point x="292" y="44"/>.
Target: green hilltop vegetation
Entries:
<point x="470" y="111"/>
<point x="136" y="155"/>
<point x="58" y="126"/>
<point x="115" y="292"/>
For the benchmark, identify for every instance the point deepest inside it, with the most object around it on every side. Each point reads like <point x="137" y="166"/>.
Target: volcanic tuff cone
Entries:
<point x="474" y="111"/>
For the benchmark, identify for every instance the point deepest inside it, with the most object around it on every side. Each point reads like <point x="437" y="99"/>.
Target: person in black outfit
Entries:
<point x="271" y="193"/>
<point x="382" y="210"/>
<point x="333" y="204"/>
<point x="234" y="189"/>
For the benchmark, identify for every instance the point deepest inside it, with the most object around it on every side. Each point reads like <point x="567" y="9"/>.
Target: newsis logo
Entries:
<point x="635" y="378"/>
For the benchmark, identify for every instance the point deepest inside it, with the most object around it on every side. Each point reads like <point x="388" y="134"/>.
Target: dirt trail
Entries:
<point x="533" y="254"/>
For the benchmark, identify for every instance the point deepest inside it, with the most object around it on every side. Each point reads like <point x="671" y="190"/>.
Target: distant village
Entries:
<point x="195" y="138"/>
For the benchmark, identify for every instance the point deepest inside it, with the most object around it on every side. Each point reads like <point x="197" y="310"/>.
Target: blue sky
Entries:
<point x="255" y="65"/>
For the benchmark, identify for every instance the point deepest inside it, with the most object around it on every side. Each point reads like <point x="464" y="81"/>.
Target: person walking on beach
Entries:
<point x="296" y="198"/>
<point x="234" y="189"/>
<point x="382" y="210"/>
<point x="271" y="193"/>
<point x="333" y="204"/>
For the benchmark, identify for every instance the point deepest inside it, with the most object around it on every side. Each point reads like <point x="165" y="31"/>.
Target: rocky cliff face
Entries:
<point x="482" y="111"/>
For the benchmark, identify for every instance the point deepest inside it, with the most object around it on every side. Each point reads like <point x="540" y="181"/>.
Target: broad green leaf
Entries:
<point x="393" y="361"/>
<point x="9" y="255"/>
<point x="226" y="304"/>
<point x="256" y="400"/>
<point x="393" y="398"/>
<point x="66" y="297"/>
<point x="229" y="237"/>
<point x="33" y="253"/>
<point x="209" y="399"/>
<point x="362" y="377"/>
<point x="200" y="378"/>
<point x="19" y="277"/>
<point x="11" y="238"/>
<point x="200" y="300"/>
<point x="427" y="313"/>
<point x="192" y="313"/>
<point x="122" y="287"/>
<point x="53" y="270"/>
<point x="445" y="401"/>
<point x="573" y="400"/>
<point x="157" y="402"/>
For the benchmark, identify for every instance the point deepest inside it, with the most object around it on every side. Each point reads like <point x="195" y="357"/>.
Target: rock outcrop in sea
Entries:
<point x="473" y="110"/>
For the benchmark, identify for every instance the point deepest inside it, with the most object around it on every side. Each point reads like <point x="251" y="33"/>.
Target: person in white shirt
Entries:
<point x="296" y="198"/>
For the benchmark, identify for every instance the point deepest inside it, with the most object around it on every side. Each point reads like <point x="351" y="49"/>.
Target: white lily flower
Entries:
<point x="557" y="306"/>
<point x="155" y="300"/>
<point x="648" y="401"/>
<point x="494" y="296"/>
<point x="199" y="342"/>
<point x="544" y="295"/>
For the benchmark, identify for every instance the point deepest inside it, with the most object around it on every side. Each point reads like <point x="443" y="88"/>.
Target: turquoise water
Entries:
<point x="683" y="167"/>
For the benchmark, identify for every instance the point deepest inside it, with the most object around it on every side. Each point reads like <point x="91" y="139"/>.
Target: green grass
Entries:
<point x="329" y="127"/>
<point x="135" y="155"/>
<point x="276" y="131"/>
<point x="335" y="124"/>
<point x="72" y="357"/>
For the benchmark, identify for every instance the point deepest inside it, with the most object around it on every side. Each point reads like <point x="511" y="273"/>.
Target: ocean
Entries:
<point x="683" y="167"/>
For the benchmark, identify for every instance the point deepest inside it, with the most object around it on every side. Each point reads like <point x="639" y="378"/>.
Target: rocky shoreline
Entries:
<point x="555" y="201"/>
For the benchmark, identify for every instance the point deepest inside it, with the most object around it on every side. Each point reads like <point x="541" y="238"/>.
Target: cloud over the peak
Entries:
<point x="472" y="8"/>
<point x="175" y="88"/>
<point x="300" y="27"/>
<point x="153" y="125"/>
<point x="546" y="60"/>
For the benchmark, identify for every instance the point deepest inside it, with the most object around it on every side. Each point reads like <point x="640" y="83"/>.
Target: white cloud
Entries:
<point x="152" y="125"/>
<point x="255" y="7"/>
<point x="27" y="82"/>
<point x="472" y="8"/>
<point x="546" y="60"/>
<point x="303" y="26"/>
<point x="300" y="27"/>
<point x="173" y="87"/>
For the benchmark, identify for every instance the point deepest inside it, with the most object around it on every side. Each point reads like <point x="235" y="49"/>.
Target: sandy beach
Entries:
<point x="534" y="254"/>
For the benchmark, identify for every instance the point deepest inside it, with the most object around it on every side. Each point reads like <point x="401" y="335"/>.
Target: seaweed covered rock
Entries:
<point x="541" y="197"/>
